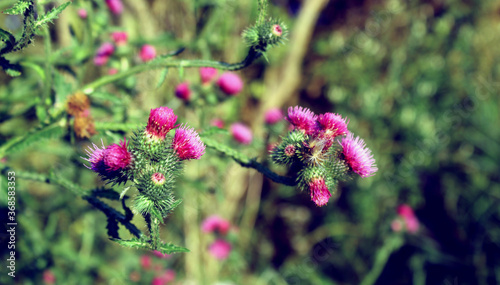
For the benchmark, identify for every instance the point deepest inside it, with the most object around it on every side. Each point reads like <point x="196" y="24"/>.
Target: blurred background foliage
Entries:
<point x="418" y="80"/>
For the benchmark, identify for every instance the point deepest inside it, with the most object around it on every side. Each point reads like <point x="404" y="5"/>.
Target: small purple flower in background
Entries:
<point x="207" y="74"/>
<point x="115" y="6"/>
<point x="161" y="255"/>
<point x="215" y="223"/>
<point x="357" y="156"/>
<point x="187" y="143"/>
<point x="230" y="83"/>
<point x="409" y="218"/>
<point x="161" y="121"/>
<point x="48" y="277"/>
<point x="147" y="53"/>
<point x="183" y="92"/>
<point x="117" y="156"/>
<point x="165" y="278"/>
<point x="103" y="53"/>
<point x="82" y="13"/>
<point x="96" y="158"/>
<point x="220" y="249"/>
<point x="112" y="71"/>
<point x="119" y="38"/>
<point x="241" y="133"/>
<point x="145" y="262"/>
<point x="272" y="116"/>
<point x="302" y="119"/>
<point x="319" y="192"/>
<point x="219" y="123"/>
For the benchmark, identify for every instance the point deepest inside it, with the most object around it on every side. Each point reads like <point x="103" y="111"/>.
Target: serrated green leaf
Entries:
<point x="171" y="248"/>
<point x="61" y="87"/>
<point x="19" y="8"/>
<point x="37" y="68"/>
<point x="12" y="72"/>
<point x="51" y="15"/>
<point x="163" y="76"/>
<point x="138" y="244"/>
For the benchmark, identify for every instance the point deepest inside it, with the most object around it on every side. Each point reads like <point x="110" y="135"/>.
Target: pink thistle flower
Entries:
<point x="207" y="74"/>
<point x="48" y="277"/>
<point x="219" y="123"/>
<point x="220" y="249"/>
<point x="187" y="143"/>
<point x="106" y="49"/>
<point x="277" y="30"/>
<point x="167" y="277"/>
<point x="161" y="255"/>
<point x="302" y="119"/>
<point x="410" y="219"/>
<point x="96" y="158"/>
<point x="215" y="223"/>
<point x="230" y="83"/>
<point x="358" y="156"/>
<point x="112" y="71"/>
<point x="272" y="116"/>
<point x="158" y="178"/>
<point x="100" y="60"/>
<point x="241" y="133"/>
<point x="147" y="53"/>
<point x="145" y="262"/>
<point x="115" y="6"/>
<point x="319" y="192"/>
<point x="290" y="150"/>
<point x="82" y="13"/>
<point x="117" y="156"/>
<point x="183" y="92"/>
<point x="120" y="38"/>
<point x="161" y="121"/>
<point x="332" y="125"/>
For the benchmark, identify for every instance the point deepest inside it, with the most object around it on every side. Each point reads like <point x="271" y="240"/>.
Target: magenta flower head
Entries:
<point x="165" y="278"/>
<point x="82" y="13"/>
<point x="96" y="158"/>
<point x="115" y="6"/>
<point x="183" y="92"/>
<point x="161" y="255"/>
<point x="103" y="53"/>
<point x="48" y="277"/>
<point x="332" y="125"/>
<point x="319" y="192"/>
<point x="241" y="133"/>
<point x="119" y="38"/>
<point x="147" y="53"/>
<point x="219" y="123"/>
<point x="187" y="143"/>
<point x="357" y="156"/>
<point x="207" y="74"/>
<point x="409" y="218"/>
<point x="220" y="249"/>
<point x="117" y="156"/>
<point x="302" y="119"/>
<point x="272" y="116"/>
<point x="161" y="121"/>
<point x="215" y="223"/>
<point x="230" y="83"/>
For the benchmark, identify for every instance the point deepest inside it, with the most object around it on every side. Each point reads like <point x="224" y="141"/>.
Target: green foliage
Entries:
<point x="51" y="15"/>
<point x="19" y="8"/>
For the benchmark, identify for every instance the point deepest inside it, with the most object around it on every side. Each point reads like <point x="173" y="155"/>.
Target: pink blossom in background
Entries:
<point x="241" y="133"/>
<point x="396" y="225"/>
<point x="219" y="123"/>
<point x="302" y="119"/>
<point x="358" y="156"/>
<point x="115" y="6"/>
<point x="82" y="13"/>
<point x="230" y="83"/>
<point x="147" y="53"/>
<point x="146" y="262"/>
<point x="272" y="116"/>
<point x="183" y="92"/>
<point x="119" y="38"/>
<point x="220" y="249"/>
<point x="215" y="223"/>
<point x="161" y="255"/>
<point x="187" y="143"/>
<point x="207" y="74"/>
<point x="409" y="218"/>
<point x="112" y="71"/>
<point x="48" y="277"/>
<point x="117" y="156"/>
<point x="167" y="277"/>
<point x="103" y="53"/>
<point x="161" y="121"/>
<point x="319" y="192"/>
<point x="100" y="60"/>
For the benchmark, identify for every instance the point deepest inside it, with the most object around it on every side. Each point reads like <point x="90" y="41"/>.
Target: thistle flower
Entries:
<point x="145" y="262"/>
<point x="115" y="6"/>
<point x="158" y="178"/>
<point x="48" y="277"/>
<point x="112" y="71"/>
<point x="230" y="83"/>
<point x="302" y="119"/>
<point x="120" y="38"/>
<point x="183" y="92"/>
<point x="357" y="156"/>
<point x="319" y="191"/>
<point x="84" y="125"/>
<point x="117" y="156"/>
<point x="241" y="133"/>
<point x="147" y="53"/>
<point x="409" y="218"/>
<point x="161" y="255"/>
<point x="207" y="74"/>
<point x="332" y="125"/>
<point x="77" y="104"/>
<point x="161" y="121"/>
<point x="106" y="49"/>
<point x="277" y="30"/>
<point x="219" y="123"/>
<point x="96" y="158"/>
<point x="165" y="278"/>
<point x="82" y="13"/>
<point x="220" y="249"/>
<point x="187" y="143"/>
<point x="215" y="223"/>
<point x="272" y="116"/>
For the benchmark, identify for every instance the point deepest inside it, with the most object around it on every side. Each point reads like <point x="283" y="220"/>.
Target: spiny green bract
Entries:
<point x="260" y="37"/>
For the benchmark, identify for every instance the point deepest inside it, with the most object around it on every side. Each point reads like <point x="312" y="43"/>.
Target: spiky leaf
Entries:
<point x="19" y="8"/>
<point x="51" y="15"/>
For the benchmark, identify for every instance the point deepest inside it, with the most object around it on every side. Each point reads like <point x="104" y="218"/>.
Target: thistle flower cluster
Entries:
<point x="265" y="34"/>
<point x="151" y="160"/>
<point x="314" y="151"/>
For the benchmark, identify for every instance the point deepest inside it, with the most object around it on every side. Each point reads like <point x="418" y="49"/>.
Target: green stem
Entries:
<point x="155" y="233"/>
<point x="252" y="55"/>
<point x="391" y="245"/>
